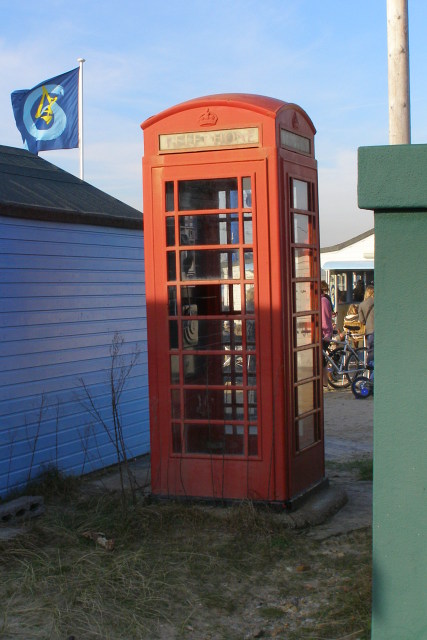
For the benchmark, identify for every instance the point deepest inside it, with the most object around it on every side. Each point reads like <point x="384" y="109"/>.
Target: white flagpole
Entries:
<point x="80" y="61"/>
<point x="399" y="112"/>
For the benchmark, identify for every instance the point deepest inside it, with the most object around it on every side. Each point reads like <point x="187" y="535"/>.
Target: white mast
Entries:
<point x="399" y="112"/>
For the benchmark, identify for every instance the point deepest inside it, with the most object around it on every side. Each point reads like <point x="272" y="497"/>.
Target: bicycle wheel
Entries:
<point x="362" y="387"/>
<point x="336" y="378"/>
<point x="362" y="354"/>
<point x="356" y="364"/>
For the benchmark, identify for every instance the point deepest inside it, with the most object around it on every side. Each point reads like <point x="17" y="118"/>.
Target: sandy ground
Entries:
<point x="348" y="426"/>
<point x="348" y="437"/>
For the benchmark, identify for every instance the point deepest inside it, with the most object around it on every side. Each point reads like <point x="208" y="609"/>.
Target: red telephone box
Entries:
<point x="232" y="286"/>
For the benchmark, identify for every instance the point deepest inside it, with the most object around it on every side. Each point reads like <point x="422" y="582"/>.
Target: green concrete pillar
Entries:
<point x="393" y="182"/>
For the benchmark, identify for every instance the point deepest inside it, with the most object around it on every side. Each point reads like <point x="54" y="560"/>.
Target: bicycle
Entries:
<point x="344" y="361"/>
<point x="363" y="385"/>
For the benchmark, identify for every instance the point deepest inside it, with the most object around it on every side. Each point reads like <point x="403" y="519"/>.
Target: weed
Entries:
<point x="54" y="483"/>
<point x="119" y="372"/>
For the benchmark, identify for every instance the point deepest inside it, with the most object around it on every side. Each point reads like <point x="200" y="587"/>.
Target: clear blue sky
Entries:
<point x="328" y="56"/>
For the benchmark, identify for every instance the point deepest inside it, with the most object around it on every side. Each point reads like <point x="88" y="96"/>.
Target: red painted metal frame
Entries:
<point x="282" y="470"/>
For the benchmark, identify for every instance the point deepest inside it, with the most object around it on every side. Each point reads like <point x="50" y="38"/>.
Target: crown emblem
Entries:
<point x="208" y="119"/>
<point x="295" y="121"/>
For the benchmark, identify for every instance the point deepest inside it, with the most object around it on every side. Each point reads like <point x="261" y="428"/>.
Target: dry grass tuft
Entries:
<point x="178" y="571"/>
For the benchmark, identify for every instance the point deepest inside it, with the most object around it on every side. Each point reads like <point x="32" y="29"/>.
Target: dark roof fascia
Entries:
<point x="66" y="199"/>
<point x="342" y="245"/>
<point x="49" y="214"/>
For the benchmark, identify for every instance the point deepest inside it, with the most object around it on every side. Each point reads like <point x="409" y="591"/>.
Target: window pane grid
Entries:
<point x="306" y="321"/>
<point x="213" y="311"/>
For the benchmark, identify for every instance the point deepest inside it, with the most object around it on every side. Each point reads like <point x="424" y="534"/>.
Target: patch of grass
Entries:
<point x="177" y="570"/>
<point x="51" y="483"/>
<point x="366" y="469"/>
<point x="280" y="541"/>
<point x="271" y="612"/>
<point x="363" y="466"/>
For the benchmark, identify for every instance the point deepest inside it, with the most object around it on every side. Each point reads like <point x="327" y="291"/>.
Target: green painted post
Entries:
<point x="393" y="182"/>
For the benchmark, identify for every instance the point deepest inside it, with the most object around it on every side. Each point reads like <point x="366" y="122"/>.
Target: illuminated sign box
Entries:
<point x="293" y="141"/>
<point x="193" y="140"/>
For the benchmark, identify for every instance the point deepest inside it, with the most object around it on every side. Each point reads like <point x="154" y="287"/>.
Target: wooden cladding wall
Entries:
<point x="65" y="291"/>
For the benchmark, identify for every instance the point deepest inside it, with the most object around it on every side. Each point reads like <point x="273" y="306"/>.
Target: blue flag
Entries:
<point x="47" y="115"/>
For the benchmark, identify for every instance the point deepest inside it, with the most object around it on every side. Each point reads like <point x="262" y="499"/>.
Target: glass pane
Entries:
<point x="253" y="440"/>
<point x="304" y="364"/>
<point x="236" y="334"/>
<point x="249" y="265"/>
<point x="213" y="404"/>
<point x="306" y="431"/>
<point x="250" y="334"/>
<point x="252" y="405"/>
<point x="172" y="301"/>
<point x="247" y="228"/>
<point x="303" y="263"/>
<point x="190" y="334"/>
<point x="212" y="369"/>
<point x="170" y="232"/>
<point x="300" y="195"/>
<point x="209" y="229"/>
<point x="212" y="335"/>
<point x="251" y="371"/>
<point x="301" y="229"/>
<point x="231" y="298"/>
<point x="233" y="405"/>
<point x="207" y="194"/>
<point x="175" y="403"/>
<point x="214" y="439"/>
<point x="190" y="328"/>
<point x="305" y="397"/>
<point x="304" y="296"/>
<point x="171" y="265"/>
<point x="169" y="196"/>
<point x="210" y="299"/>
<point x="174" y="360"/>
<point x="305" y="330"/>
<point x="209" y="264"/>
<point x="250" y="298"/>
<point x="176" y="438"/>
<point x="233" y="369"/>
<point x="173" y="334"/>
<point x="247" y="193"/>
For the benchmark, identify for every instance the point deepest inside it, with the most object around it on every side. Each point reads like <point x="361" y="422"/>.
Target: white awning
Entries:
<point x="348" y="265"/>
